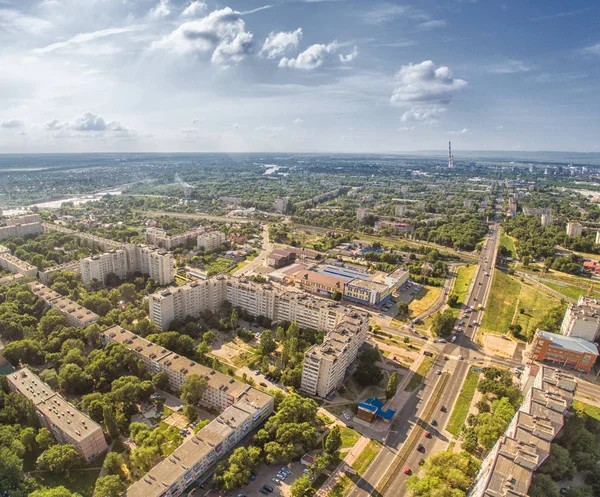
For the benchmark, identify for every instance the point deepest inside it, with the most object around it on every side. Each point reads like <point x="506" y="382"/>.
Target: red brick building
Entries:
<point x="569" y="352"/>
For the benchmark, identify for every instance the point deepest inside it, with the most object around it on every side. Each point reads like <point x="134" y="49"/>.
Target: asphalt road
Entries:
<point x="424" y="406"/>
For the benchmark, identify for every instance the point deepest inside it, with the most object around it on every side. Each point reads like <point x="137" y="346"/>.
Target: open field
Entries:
<point x="464" y="275"/>
<point x="590" y="410"/>
<point x="420" y="373"/>
<point x="349" y="437"/>
<point x="426" y="297"/>
<point x="342" y="487"/>
<point x="536" y="303"/>
<point x="366" y="456"/>
<point x="508" y="243"/>
<point x="463" y="404"/>
<point x="501" y="303"/>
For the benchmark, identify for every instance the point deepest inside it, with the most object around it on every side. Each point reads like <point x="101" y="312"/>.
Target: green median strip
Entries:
<point x="463" y="404"/>
<point x="365" y="458"/>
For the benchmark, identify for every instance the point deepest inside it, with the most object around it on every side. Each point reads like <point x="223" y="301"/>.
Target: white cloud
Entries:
<point x="257" y="9"/>
<point x="160" y="10"/>
<point x="298" y="121"/>
<point x="510" y="66"/>
<point x="197" y="120"/>
<point x="189" y="130"/>
<point x="592" y="49"/>
<point x="95" y="123"/>
<point x="500" y="127"/>
<point x="86" y="37"/>
<point x="276" y="44"/>
<point x="222" y="33"/>
<point x="350" y="57"/>
<point x="397" y="44"/>
<point x="424" y="89"/>
<point x="461" y="132"/>
<point x="235" y="126"/>
<point x="54" y="125"/>
<point x="11" y="124"/>
<point x="194" y="9"/>
<point x="406" y="128"/>
<point x="432" y="24"/>
<point x="311" y="58"/>
<point x="15" y="21"/>
<point x="387" y="12"/>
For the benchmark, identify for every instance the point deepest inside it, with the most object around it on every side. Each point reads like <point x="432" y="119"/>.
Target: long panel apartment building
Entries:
<point x="67" y="424"/>
<point x="242" y="409"/>
<point x="75" y="314"/>
<point x="73" y="266"/>
<point x="23" y="219"/>
<point x="103" y="243"/>
<point x="17" y="266"/>
<point x="160" y="238"/>
<point x="509" y="467"/>
<point x="20" y="230"/>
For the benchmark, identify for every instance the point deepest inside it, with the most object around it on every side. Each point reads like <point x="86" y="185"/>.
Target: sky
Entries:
<point x="299" y="75"/>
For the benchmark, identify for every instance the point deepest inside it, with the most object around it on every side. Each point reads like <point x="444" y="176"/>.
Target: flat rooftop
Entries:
<point x="572" y="344"/>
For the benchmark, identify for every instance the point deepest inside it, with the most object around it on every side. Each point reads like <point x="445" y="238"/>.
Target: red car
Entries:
<point x="427" y="434"/>
<point x="407" y="471"/>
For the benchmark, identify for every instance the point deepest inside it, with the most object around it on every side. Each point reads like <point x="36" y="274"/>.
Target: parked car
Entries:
<point x="263" y="384"/>
<point x="276" y="481"/>
<point x="263" y="490"/>
<point x="427" y="434"/>
<point x="268" y="488"/>
<point x="407" y="471"/>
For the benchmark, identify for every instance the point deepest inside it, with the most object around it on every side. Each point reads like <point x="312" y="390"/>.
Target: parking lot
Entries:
<point x="258" y="377"/>
<point x="264" y="476"/>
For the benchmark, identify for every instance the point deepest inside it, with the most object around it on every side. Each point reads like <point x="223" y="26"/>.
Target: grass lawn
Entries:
<point x="570" y="291"/>
<point x="365" y="458"/>
<point x="421" y="372"/>
<point x="78" y="482"/>
<point x="426" y="297"/>
<point x="590" y="410"/>
<point x="463" y="403"/>
<point x="342" y="487"/>
<point x="508" y="243"/>
<point x="501" y="303"/>
<point x="464" y="275"/>
<point x="536" y="303"/>
<point x="349" y="437"/>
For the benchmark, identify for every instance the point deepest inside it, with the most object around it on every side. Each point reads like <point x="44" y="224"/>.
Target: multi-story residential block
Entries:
<point x="574" y="229"/>
<point x="67" y="424"/>
<point x="281" y="204"/>
<point x="75" y="314"/>
<point x="325" y="364"/>
<point x="98" y="267"/>
<point x="93" y="240"/>
<point x="7" y="280"/>
<point x="210" y="240"/>
<point x="362" y="213"/>
<point x="400" y="210"/>
<point x="597" y="241"/>
<point x="509" y="467"/>
<point x="24" y="219"/>
<point x="74" y="267"/>
<point x="20" y="230"/>
<point x="197" y="455"/>
<point x="582" y="319"/>
<point x="160" y="238"/>
<point x="4" y="250"/>
<point x="567" y="351"/>
<point x="17" y="266"/>
<point x="547" y="219"/>
<point x="234" y="201"/>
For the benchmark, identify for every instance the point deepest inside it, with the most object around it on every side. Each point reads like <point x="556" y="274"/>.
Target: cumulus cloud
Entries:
<point x="54" y="125"/>
<point x="298" y="121"/>
<point x="461" y="132"/>
<point x="161" y="10"/>
<point x="311" y="58"/>
<point x="276" y="44"/>
<point x="349" y="57"/>
<point x="592" y="49"/>
<point x="11" y="124"/>
<point x="90" y="122"/>
<point x="425" y="90"/>
<point x="194" y="9"/>
<point x="510" y="66"/>
<point x="221" y="33"/>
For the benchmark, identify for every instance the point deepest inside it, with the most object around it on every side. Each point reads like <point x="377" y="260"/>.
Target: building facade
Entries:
<point x="98" y="267"/>
<point x="582" y="319"/>
<point x="210" y="240"/>
<point x="67" y="424"/>
<point x="362" y="213"/>
<point x="574" y="229"/>
<point x="75" y="314"/>
<point x="44" y="274"/>
<point x="318" y="283"/>
<point x="20" y="230"/>
<point x="546" y="219"/>
<point x="566" y="351"/>
<point x="24" y="219"/>
<point x="160" y="238"/>
<point x="17" y="266"/>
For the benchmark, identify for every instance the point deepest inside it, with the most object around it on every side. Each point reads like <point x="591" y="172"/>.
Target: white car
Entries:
<point x="453" y="339"/>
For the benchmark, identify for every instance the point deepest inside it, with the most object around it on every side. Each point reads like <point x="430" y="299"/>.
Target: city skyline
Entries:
<point x="303" y="76"/>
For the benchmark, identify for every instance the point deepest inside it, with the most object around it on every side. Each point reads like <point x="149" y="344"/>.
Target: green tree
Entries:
<point x="189" y="411"/>
<point x="53" y="492"/>
<point x="113" y="463"/>
<point x="543" y="486"/>
<point x="11" y="469"/>
<point x="333" y="441"/>
<point x="160" y="380"/>
<point x="267" y="344"/>
<point x="193" y="389"/>
<point x="302" y="487"/>
<point x="442" y="323"/>
<point x="109" y="486"/>
<point x="559" y="465"/>
<point x="60" y="458"/>
<point x="368" y="374"/>
<point x="392" y="385"/>
<point x="110" y="421"/>
<point x="234" y="319"/>
<point x="44" y="439"/>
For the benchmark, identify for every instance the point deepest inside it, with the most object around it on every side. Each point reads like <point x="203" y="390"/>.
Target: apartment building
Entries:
<point x="67" y="424"/>
<point x="567" y="351"/>
<point x="362" y="213"/>
<point x="98" y="267"/>
<point x="325" y="364"/>
<point x="75" y="314"/>
<point x="322" y="284"/>
<point x="509" y="467"/>
<point x="7" y="280"/>
<point x="20" y="230"/>
<point x="17" y="266"/>
<point x="582" y="319"/>
<point x="574" y="229"/>
<point x="102" y="243"/>
<point x="400" y="210"/>
<point x="281" y="204"/>
<point x="197" y="455"/>
<point x="160" y="238"/>
<point x="24" y="219"/>
<point x="547" y="219"/>
<point x="4" y="250"/>
<point x="74" y="267"/>
<point x="210" y="240"/>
